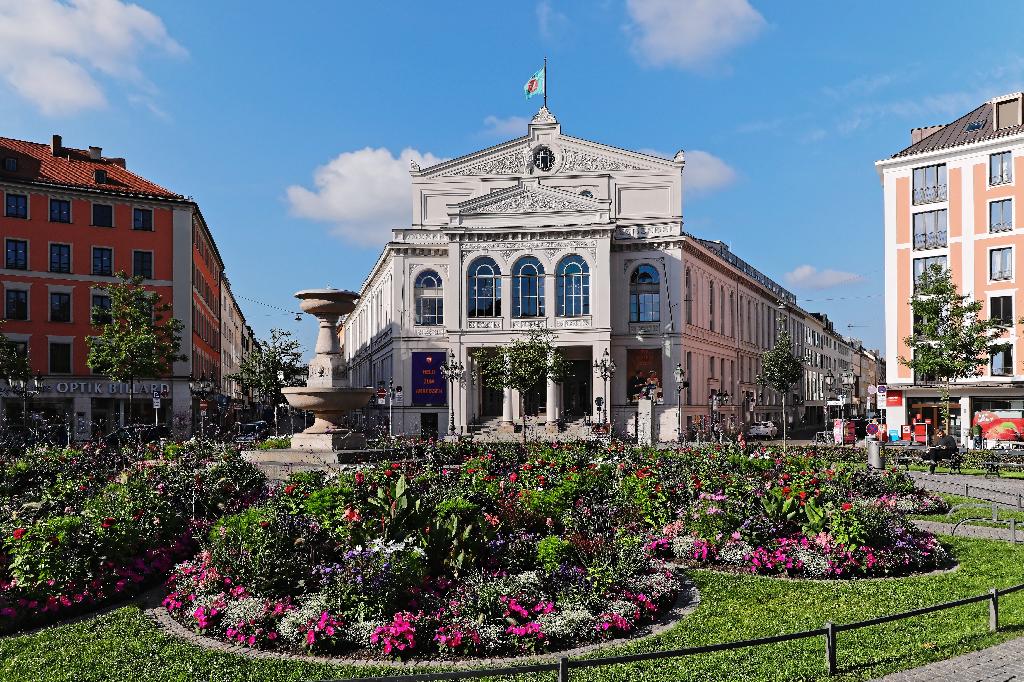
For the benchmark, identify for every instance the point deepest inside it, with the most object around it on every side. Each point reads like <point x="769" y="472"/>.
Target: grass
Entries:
<point x="125" y="644"/>
<point x="983" y="508"/>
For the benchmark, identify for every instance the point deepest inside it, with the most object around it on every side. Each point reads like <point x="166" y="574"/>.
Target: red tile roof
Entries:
<point x="74" y="168"/>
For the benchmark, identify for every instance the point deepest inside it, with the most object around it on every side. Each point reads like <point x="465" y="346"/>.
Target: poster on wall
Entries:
<point x="894" y="399"/>
<point x="428" y="386"/>
<point x="643" y="367"/>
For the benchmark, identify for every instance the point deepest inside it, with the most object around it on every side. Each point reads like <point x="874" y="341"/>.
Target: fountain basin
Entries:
<point x="327" y="301"/>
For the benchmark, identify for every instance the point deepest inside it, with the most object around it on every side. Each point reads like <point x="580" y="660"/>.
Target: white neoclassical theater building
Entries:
<point x="585" y="240"/>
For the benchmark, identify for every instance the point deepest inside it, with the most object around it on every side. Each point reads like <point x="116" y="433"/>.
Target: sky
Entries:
<point x="292" y="124"/>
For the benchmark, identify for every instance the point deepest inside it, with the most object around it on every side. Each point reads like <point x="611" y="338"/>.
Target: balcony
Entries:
<point x="928" y="195"/>
<point x="1000" y="179"/>
<point x="931" y="240"/>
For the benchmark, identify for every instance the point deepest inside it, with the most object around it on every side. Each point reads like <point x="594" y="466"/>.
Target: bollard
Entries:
<point x="1020" y="507"/>
<point x="830" y="648"/>
<point x="1013" y="531"/>
<point x="993" y="610"/>
<point x="967" y="489"/>
<point x="995" y="513"/>
<point x="563" y="669"/>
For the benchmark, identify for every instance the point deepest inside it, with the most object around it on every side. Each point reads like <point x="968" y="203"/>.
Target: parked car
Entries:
<point x="136" y="434"/>
<point x="251" y="433"/>
<point x="762" y="430"/>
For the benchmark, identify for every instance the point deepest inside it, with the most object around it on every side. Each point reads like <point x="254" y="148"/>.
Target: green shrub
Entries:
<point x="552" y="552"/>
<point x="58" y="548"/>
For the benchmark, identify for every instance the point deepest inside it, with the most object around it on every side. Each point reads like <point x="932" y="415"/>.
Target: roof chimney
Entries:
<point x="56" y="145"/>
<point x="918" y="134"/>
<point x="95" y="153"/>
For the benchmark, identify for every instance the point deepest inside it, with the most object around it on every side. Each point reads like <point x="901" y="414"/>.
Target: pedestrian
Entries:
<point x="945" y="446"/>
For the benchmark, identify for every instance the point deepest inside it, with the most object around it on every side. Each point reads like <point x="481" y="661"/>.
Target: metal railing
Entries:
<point x="1000" y="227"/>
<point x="1000" y="179"/>
<point x="564" y="666"/>
<point x="927" y="195"/>
<point x="931" y="240"/>
<point x="1002" y="274"/>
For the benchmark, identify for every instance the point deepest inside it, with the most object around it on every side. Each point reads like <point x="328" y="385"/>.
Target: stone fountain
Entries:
<point x="327" y="393"/>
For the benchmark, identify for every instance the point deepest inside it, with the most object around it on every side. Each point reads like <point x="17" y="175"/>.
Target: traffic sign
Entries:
<point x="871" y="429"/>
<point x="156" y="402"/>
<point x="398" y="395"/>
<point x="882" y="388"/>
<point x="156" y="393"/>
<point x="382" y="395"/>
<point x="203" y="406"/>
<point x="872" y="389"/>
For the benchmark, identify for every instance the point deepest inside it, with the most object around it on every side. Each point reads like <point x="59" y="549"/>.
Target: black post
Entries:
<point x="563" y="669"/>
<point x="451" y="406"/>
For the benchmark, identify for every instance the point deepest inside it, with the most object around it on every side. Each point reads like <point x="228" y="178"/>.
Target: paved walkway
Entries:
<point x="969" y="531"/>
<point x="1000" y="663"/>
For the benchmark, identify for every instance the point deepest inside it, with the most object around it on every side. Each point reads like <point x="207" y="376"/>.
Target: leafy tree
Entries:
<point x="271" y="365"/>
<point x="524" y="365"/>
<point x="13" y="365"/>
<point x="780" y="371"/>
<point x="134" y="341"/>
<point x="949" y="341"/>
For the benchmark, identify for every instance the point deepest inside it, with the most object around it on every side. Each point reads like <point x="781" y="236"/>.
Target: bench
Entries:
<point x="915" y="454"/>
<point x="999" y="461"/>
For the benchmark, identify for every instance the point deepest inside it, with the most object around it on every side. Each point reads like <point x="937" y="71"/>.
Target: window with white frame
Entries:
<point x="484" y="288"/>
<point x="1000" y="168"/>
<point x="688" y="299"/>
<point x="1002" y="362"/>
<point x="428" y="293"/>
<point x="644" y="295"/>
<point x="1000" y="264"/>
<point x="930" y="230"/>
<point x="930" y="184"/>
<point x="573" y="287"/>
<point x="1000" y="215"/>
<point x="922" y="265"/>
<point x="527" y="288"/>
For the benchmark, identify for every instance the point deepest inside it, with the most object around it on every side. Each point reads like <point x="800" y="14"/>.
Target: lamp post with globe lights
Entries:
<point x="201" y="389"/>
<point x="681" y="383"/>
<point x="605" y="369"/>
<point x="453" y="371"/>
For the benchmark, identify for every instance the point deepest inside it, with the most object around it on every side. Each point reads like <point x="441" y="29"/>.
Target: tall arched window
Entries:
<point x="428" y="294"/>
<point x="711" y="306"/>
<point x="527" y="288"/>
<point x="573" y="290"/>
<point x="644" y="295"/>
<point x="484" y="288"/>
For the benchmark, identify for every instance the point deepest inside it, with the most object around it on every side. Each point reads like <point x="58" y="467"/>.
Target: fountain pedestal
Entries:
<point x="327" y="393"/>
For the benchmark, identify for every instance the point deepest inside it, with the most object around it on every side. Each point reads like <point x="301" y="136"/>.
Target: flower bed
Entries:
<point x="81" y="527"/>
<point x="522" y="552"/>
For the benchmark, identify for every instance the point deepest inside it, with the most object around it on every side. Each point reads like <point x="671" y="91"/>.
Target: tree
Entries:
<point x="524" y="365"/>
<point x="271" y="365"/>
<point x="949" y="340"/>
<point x="13" y="364"/>
<point x="780" y="371"/>
<point x="134" y="341"/>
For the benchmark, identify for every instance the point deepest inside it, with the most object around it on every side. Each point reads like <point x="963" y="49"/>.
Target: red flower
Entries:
<point x="19" y="533"/>
<point x="289" y="489"/>
<point x="847" y="506"/>
<point x="107" y="522"/>
<point x="360" y="478"/>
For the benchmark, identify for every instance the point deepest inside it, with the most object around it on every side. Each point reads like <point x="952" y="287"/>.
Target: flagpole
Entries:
<point x="545" y="82"/>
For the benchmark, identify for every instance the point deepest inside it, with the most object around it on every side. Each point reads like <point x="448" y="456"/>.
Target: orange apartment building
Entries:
<point x="951" y="198"/>
<point x="71" y="219"/>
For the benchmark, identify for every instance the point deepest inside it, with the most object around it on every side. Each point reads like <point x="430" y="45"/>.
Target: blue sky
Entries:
<point x="292" y="123"/>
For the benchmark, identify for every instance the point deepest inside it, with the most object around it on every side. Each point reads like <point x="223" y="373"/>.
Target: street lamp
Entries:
<point x="24" y="388"/>
<point x="716" y="399"/>
<point x="681" y="383"/>
<point x="452" y="370"/>
<point x="201" y="388"/>
<point x="830" y="380"/>
<point x="605" y="369"/>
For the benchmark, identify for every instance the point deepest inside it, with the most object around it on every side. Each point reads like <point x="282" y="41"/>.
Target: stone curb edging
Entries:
<point x="686" y="603"/>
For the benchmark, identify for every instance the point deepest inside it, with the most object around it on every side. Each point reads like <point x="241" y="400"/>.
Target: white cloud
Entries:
<point x="362" y="194"/>
<point x="690" y="34"/>
<point x="809" y="277"/>
<point x="51" y="51"/>
<point x="704" y="172"/>
<point x="513" y="126"/>
<point x="550" y="22"/>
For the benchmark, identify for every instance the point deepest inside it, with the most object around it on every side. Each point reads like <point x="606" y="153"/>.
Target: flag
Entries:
<point x="534" y="86"/>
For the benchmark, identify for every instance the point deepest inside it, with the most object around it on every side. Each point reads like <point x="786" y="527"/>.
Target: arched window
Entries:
<point x="484" y="288"/>
<point x="689" y="299"/>
<point x="573" y="290"/>
<point x="644" y="295"/>
<point x="428" y="293"/>
<point x="527" y="288"/>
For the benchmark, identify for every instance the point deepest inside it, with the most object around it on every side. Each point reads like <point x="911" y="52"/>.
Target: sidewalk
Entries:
<point x="999" y="663"/>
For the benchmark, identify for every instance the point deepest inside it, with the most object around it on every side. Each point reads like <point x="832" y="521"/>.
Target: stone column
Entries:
<point x="506" y="412"/>
<point x="553" y="410"/>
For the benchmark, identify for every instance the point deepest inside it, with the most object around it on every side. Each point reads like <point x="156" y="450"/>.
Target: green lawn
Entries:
<point x="125" y="645"/>
<point x="984" y="508"/>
